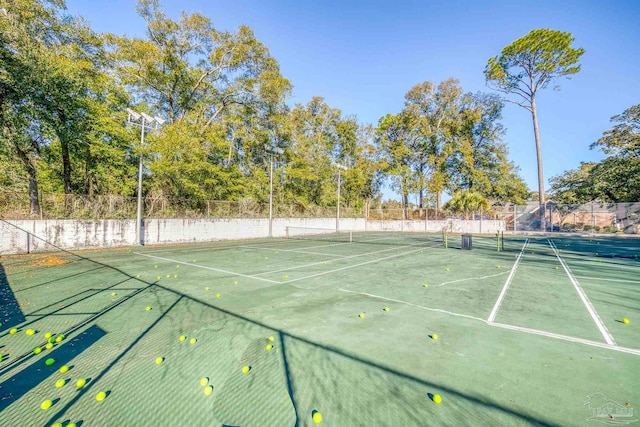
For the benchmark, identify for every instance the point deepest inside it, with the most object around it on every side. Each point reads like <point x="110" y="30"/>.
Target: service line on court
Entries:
<point x="354" y="265"/>
<point x="438" y="310"/>
<point x="297" y="251"/>
<point x="607" y="280"/>
<point x="567" y="338"/>
<point x="496" y="307"/>
<point x="472" y="278"/>
<point x="538" y="332"/>
<point x="585" y="300"/>
<point x="209" y="268"/>
<point x="334" y="260"/>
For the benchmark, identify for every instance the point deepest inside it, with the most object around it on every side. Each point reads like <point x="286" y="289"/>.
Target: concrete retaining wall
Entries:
<point x="20" y="236"/>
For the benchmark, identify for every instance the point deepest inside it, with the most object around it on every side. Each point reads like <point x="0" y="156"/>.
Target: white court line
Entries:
<point x="607" y="280"/>
<point x="289" y="250"/>
<point x="352" y="266"/>
<point x="568" y="338"/>
<point x="451" y="313"/>
<point x="471" y="278"/>
<point x="592" y="311"/>
<point x="334" y="260"/>
<point x="511" y="327"/>
<point x="209" y="268"/>
<point x="494" y="312"/>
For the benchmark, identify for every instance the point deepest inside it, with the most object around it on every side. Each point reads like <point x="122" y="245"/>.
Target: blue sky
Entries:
<point x="363" y="56"/>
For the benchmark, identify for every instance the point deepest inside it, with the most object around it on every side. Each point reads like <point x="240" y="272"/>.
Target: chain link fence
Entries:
<point x="584" y="217"/>
<point x="15" y="205"/>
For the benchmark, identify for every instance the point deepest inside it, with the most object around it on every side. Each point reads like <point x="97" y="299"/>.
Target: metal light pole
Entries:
<point x="153" y="123"/>
<point x="340" y="168"/>
<point x="273" y="150"/>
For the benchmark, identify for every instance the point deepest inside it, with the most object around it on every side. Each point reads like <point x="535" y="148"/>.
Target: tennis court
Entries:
<point x="531" y="334"/>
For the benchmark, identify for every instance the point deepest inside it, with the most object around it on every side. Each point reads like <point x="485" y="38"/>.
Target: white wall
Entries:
<point x="46" y="235"/>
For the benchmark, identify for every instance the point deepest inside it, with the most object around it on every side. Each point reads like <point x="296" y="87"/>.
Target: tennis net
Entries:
<point x="397" y="238"/>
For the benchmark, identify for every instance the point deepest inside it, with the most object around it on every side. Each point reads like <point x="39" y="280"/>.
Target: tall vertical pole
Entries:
<point x="338" y="207"/>
<point x="139" y="212"/>
<point x="271" y="196"/>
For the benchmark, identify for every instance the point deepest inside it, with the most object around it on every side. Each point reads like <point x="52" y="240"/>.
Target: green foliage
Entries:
<point x="614" y="179"/>
<point x="532" y="62"/>
<point x="466" y="203"/>
<point x="624" y="138"/>
<point x="528" y="65"/>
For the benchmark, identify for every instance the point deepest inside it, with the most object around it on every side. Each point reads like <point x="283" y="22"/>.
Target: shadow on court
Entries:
<point x="10" y="312"/>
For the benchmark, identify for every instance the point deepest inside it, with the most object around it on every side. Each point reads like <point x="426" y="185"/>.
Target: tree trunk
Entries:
<point x="34" y="202"/>
<point x="536" y="133"/>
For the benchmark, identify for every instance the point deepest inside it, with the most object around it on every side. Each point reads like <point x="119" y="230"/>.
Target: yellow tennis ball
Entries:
<point x="434" y="336"/>
<point x="437" y="398"/>
<point x="271" y="338"/>
<point x="168" y="275"/>
<point x="235" y="283"/>
<point x="316" y="417"/>
<point x="48" y="346"/>
<point x="245" y="369"/>
<point x="206" y="289"/>
<point x="37" y="350"/>
<point x="48" y="335"/>
<point x="158" y="278"/>
<point x="218" y="295"/>
<point x="46" y="404"/>
<point x="269" y="347"/>
<point x="286" y="277"/>
<point x="204" y="381"/>
<point x="113" y="294"/>
<point x="13" y="331"/>
<point x="159" y="360"/>
<point x="81" y="382"/>
<point x="177" y="265"/>
<point x="59" y="338"/>
<point x="193" y="341"/>
<point x="57" y="425"/>
<point x="29" y="332"/>
<point x="497" y="266"/>
<point x="148" y="308"/>
<point x="182" y="338"/>
<point x="101" y="396"/>
<point x="63" y="369"/>
<point x="71" y="425"/>
<point x="625" y="321"/>
<point x="208" y="390"/>
<point x="556" y="267"/>
<point x="386" y="309"/>
<point x="175" y="276"/>
<point x="155" y="266"/>
<point x="60" y="383"/>
<point x="361" y="315"/>
<point x="425" y="286"/>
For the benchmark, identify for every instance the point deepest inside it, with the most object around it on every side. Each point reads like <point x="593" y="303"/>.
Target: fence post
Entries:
<point x="515" y="217"/>
<point x="593" y="219"/>
<point x="480" y="220"/>
<point x="28" y="242"/>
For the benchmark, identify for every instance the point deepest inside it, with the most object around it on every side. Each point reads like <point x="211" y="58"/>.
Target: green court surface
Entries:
<point x="530" y="335"/>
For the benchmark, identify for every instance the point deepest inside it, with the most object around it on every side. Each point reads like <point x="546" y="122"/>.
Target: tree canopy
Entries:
<point x="64" y="90"/>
